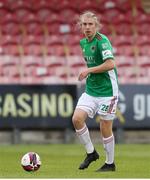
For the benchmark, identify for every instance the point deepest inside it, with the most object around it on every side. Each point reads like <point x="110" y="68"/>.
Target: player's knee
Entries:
<point x="105" y="123"/>
<point x="76" y="119"/>
<point x="106" y="128"/>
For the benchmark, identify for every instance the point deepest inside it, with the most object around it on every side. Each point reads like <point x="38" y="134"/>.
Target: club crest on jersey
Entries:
<point x="105" y="45"/>
<point x="93" y="48"/>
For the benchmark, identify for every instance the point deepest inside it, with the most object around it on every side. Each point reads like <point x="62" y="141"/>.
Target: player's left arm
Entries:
<point x="106" y="52"/>
<point x="108" y="64"/>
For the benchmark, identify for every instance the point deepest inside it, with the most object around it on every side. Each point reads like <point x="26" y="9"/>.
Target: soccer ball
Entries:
<point x="31" y="161"/>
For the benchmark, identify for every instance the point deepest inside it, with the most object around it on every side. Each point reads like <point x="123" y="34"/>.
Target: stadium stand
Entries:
<point x="37" y="34"/>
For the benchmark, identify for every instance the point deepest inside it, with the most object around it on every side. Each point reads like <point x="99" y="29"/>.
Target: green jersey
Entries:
<point x="95" y="53"/>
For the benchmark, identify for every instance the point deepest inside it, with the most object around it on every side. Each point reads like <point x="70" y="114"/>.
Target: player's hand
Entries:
<point x="83" y="75"/>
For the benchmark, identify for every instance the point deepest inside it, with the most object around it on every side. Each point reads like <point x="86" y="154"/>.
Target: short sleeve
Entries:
<point x="105" y="49"/>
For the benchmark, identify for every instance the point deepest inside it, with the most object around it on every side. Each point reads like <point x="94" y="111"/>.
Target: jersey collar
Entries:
<point x="92" y="38"/>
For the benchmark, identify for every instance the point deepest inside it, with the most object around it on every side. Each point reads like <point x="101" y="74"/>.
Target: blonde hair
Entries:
<point x="89" y="14"/>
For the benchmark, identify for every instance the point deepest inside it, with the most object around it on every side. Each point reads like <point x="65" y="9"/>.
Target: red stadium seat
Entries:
<point x="29" y="71"/>
<point x="31" y="60"/>
<point x="20" y="4"/>
<point x="76" y="61"/>
<point x="143" y="67"/>
<point x="22" y="13"/>
<point x="11" y="49"/>
<point x="144" y="50"/>
<point x="10" y="39"/>
<point x="142" y="18"/>
<point x="137" y="8"/>
<point x="42" y="4"/>
<point x="33" y="49"/>
<point x="142" y="40"/>
<point x="71" y="39"/>
<point x="53" y="28"/>
<point x="34" y="28"/>
<point x="3" y="12"/>
<point x="122" y="18"/>
<point x="11" y="28"/>
<point x="129" y="72"/>
<point x="143" y="28"/>
<point x="141" y="71"/>
<point x="68" y="15"/>
<point x="143" y="61"/>
<point x="44" y="13"/>
<point x="138" y="4"/>
<point x="25" y="16"/>
<point x="28" y="80"/>
<point x="111" y="13"/>
<point x="42" y="80"/>
<point x="126" y="50"/>
<point x="76" y="64"/>
<point x="76" y="70"/>
<point x="73" y="80"/>
<point x="143" y="80"/>
<point x="124" y="29"/>
<point x="53" y="39"/>
<point x="122" y="40"/>
<point x="74" y="30"/>
<point x="54" y="61"/>
<point x="66" y="4"/>
<point x="53" y="80"/>
<point x="127" y="80"/>
<point x="106" y="30"/>
<point x="56" y="6"/>
<point x="90" y="5"/>
<point x="32" y="39"/>
<point x="7" y="60"/>
<point x="75" y="50"/>
<point x="56" y="50"/>
<point x="11" y="71"/>
<point x="123" y="5"/>
<point x="9" y="17"/>
<point x="125" y="61"/>
<point x="53" y="18"/>
<point x="4" y="4"/>
<point x="60" y="71"/>
<point x="103" y="20"/>
<point x="30" y="64"/>
<point x="9" y="80"/>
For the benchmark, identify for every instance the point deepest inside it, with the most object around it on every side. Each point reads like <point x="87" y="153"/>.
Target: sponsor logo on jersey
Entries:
<point x="89" y="59"/>
<point x="106" y="53"/>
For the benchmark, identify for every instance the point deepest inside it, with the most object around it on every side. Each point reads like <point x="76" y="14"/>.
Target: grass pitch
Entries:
<point x="62" y="161"/>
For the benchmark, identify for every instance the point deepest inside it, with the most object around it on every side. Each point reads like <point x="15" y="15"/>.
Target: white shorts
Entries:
<point x="105" y="107"/>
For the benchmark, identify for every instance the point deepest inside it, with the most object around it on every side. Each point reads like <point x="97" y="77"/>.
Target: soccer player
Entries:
<point x="101" y="92"/>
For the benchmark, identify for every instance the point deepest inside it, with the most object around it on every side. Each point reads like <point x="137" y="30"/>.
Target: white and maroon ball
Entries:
<point x="31" y="161"/>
